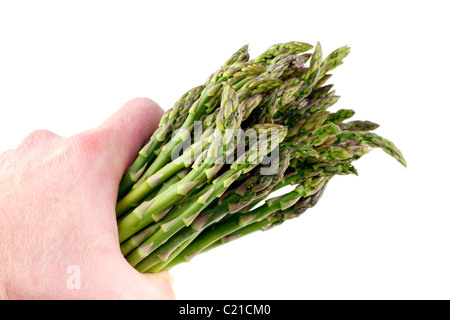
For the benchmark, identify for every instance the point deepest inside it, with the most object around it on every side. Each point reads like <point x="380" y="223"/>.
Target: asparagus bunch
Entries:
<point x="209" y="172"/>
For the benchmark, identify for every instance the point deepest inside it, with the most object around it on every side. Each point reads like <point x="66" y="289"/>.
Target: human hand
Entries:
<point x="58" y="230"/>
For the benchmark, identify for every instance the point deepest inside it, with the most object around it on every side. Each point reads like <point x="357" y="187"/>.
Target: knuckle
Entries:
<point x="6" y="154"/>
<point x="88" y="144"/>
<point x="35" y="141"/>
<point x="7" y="159"/>
<point x="36" y="138"/>
<point x="143" y="101"/>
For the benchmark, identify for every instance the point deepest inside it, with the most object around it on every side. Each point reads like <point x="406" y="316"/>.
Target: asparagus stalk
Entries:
<point x="154" y="181"/>
<point x="166" y="125"/>
<point x="271" y="221"/>
<point x="144" y="214"/>
<point x="254" y="187"/>
<point x="190" y="210"/>
<point x="373" y="140"/>
<point x="293" y="48"/>
<point x="235" y="223"/>
<point x="171" y="208"/>
<point x="250" y="95"/>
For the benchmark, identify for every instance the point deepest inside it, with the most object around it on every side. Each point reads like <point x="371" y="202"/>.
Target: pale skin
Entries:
<point x="57" y="212"/>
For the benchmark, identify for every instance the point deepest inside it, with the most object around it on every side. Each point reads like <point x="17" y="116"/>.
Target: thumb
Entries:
<point x="129" y="128"/>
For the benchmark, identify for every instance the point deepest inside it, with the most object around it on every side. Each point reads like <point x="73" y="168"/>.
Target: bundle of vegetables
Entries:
<point x="209" y="173"/>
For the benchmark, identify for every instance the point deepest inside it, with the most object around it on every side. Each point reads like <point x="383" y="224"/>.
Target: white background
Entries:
<point x="66" y="66"/>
